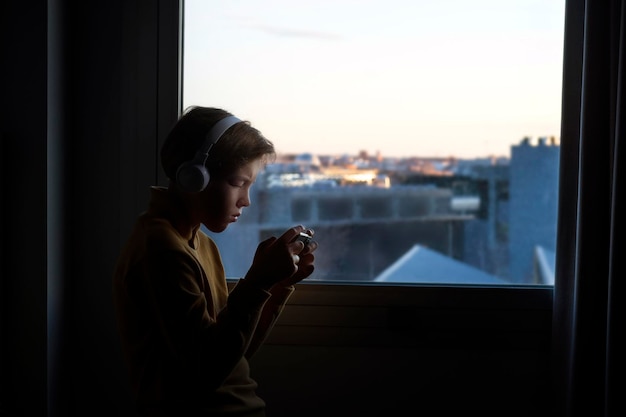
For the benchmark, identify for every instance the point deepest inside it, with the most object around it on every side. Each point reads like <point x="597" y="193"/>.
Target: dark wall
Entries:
<point x="81" y="90"/>
<point x="95" y="123"/>
<point x="23" y="127"/>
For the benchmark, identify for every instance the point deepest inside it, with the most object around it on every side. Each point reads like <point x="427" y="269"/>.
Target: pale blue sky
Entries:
<point x="403" y="77"/>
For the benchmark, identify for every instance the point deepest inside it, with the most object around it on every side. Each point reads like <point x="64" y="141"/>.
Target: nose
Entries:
<point x="244" y="201"/>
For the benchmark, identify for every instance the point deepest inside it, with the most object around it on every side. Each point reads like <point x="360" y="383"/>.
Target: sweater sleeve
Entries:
<point x="271" y="311"/>
<point x="207" y="348"/>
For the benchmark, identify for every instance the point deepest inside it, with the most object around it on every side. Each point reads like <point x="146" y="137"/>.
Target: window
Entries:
<point x="419" y="140"/>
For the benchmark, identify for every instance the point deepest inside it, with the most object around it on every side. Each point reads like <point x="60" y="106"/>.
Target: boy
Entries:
<point x="186" y="339"/>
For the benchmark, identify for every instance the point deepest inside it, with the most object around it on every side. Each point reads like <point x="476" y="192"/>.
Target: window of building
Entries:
<point x="419" y="140"/>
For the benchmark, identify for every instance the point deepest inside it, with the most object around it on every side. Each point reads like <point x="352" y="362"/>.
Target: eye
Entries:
<point x="238" y="184"/>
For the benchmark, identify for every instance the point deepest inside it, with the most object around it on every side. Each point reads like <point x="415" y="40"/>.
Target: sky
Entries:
<point x="400" y="77"/>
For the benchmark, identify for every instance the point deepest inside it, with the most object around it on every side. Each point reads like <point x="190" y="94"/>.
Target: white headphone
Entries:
<point x="192" y="176"/>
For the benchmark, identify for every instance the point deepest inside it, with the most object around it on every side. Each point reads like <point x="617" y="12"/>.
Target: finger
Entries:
<point x="296" y="259"/>
<point x="306" y="259"/>
<point x="291" y="233"/>
<point x="305" y="271"/>
<point x="297" y="247"/>
<point x="265" y="244"/>
<point x="309" y="248"/>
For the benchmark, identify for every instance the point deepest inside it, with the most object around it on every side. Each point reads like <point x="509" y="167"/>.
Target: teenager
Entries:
<point x="187" y="340"/>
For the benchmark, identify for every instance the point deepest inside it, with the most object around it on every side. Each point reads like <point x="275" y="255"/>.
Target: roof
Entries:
<point x="423" y="265"/>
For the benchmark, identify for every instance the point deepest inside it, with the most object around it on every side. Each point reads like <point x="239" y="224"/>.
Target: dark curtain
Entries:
<point x="590" y="294"/>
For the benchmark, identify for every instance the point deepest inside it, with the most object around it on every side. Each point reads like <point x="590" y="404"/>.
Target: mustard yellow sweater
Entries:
<point x="186" y="340"/>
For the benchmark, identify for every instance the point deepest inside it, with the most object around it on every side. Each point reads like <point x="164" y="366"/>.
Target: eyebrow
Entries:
<point x="240" y="177"/>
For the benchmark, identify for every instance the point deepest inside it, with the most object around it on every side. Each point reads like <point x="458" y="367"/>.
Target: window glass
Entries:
<point x="418" y="138"/>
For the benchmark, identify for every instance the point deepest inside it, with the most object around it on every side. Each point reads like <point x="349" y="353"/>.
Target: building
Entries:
<point x="534" y="185"/>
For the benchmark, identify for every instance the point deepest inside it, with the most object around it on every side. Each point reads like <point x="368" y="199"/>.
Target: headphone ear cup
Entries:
<point x="192" y="177"/>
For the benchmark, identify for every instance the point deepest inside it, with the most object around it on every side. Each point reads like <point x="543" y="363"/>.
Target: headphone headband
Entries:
<point x="215" y="134"/>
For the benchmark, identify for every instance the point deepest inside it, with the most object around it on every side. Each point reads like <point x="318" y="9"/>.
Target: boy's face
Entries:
<point x="224" y="198"/>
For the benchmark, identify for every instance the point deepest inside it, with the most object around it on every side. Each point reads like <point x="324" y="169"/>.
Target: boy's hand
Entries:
<point x="282" y="260"/>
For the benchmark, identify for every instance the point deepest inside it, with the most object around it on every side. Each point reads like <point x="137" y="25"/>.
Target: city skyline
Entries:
<point x="358" y="153"/>
<point x="400" y="78"/>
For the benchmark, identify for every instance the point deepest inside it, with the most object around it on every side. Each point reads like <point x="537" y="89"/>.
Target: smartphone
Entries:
<point x="304" y="238"/>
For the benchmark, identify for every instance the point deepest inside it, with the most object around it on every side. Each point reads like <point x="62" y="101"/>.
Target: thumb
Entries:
<point x="264" y="245"/>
